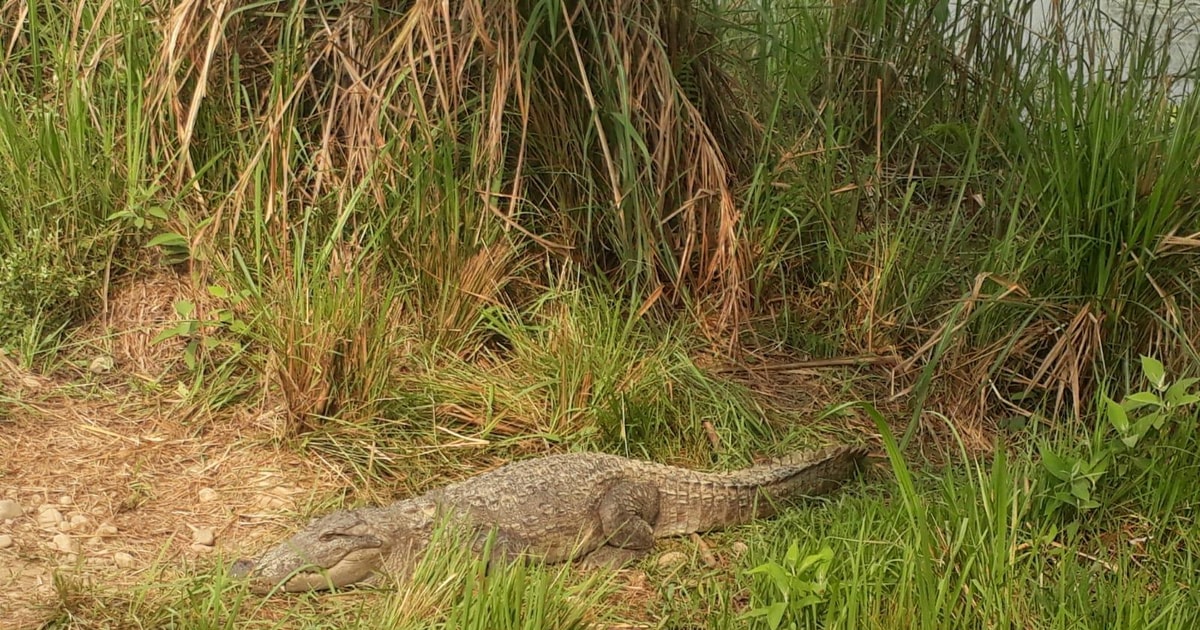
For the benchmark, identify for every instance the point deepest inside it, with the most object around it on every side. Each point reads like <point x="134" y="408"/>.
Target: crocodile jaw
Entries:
<point x="295" y="574"/>
<point x="334" y="551"/>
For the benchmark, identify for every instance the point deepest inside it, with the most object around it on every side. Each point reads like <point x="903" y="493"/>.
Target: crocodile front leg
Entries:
<point x="627" y="514"/>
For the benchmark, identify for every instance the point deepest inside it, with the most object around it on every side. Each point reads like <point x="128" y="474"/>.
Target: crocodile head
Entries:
<point x="342" y="548"/>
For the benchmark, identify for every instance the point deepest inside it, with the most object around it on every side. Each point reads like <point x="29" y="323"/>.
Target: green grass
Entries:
<point x="578" y="239"/>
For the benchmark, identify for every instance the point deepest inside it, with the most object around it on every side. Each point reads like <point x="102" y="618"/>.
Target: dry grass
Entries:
<point x="380" y="83"/>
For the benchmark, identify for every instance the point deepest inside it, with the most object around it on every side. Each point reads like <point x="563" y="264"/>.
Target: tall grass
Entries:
<point x="940" y="144"/>
<point x="73" y="153"/>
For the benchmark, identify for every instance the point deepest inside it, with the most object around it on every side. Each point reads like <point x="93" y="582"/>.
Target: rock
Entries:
<point x="10" y="509"/>
<point x="63" y="543"/>
<point x="49" y="518"/>
<point x="6" y="541"/>
<point x="208" y="495"/>
<point x="123" y="560"/>
<point x="198" y="548"/>
<point x="671" y="559"/>
<point x="271" y="502"/>
<point x="101" y="365"/>
<point x="739" y="548"/>
<point x="76" y="523"/>
<point x="106" y="529"/>
<point x="66" y="500"/>
<point x="203" y="536"/>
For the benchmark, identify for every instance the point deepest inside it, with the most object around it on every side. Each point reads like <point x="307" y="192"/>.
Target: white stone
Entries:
<point x="199" y="548"/>
<point x="671" y="559"/>
<point x="64" y="543"/>
<point x="66" y="500"/>
<point x="10" y="509"/>
<point x="49" y="518"/>
<point x="204" y="536"/>
<point x="106" y="529"/>
<point x="208" y="495"/>
<point x="76" y="522"/>
<point x="6" y="541"/>
<point x="101" y="365"/>
<point x="123" y="560"/>
<point x="271" y="502"/>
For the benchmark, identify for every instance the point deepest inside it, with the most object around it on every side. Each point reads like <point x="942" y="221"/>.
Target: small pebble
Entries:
<point x="671" y="559"/>
<point x="101" y="365"/>
<point x="6" y="541"/>
<point x="66" y="500"/>
<point x="199" y="548"/>
<point x="123" y="560"/>
<point x="49" y="517"/>
<point x="76" y="522"/>
<point x="208" y="495"/>
<point x="203" y="536"/>
<point x="738" y="548"/>
<point x="106" y="529"/>
<point x="271" y="502"/>
<point x="64" y="543"/>
<point x="10" y="509"/>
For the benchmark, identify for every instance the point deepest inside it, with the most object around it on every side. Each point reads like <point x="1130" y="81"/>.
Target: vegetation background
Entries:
<point x="402" y="241"/>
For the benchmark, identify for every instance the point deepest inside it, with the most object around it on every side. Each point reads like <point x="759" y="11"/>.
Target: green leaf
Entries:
<point x="1178" y="390"/>
<point x="808" y="601"/>
<point x="775" y="614"/>
<point x="1154" y="371"/>
<point x="1081" y="488"/>
<point x="793" y="555"/>
<point x="157" y="212"/>
<point x="189" y="355"/>
<point x="185" y="308"/>
<point x="1116" y="415"/>
<point x="1144" y="423"/>
<point x="1099" y="465"/>
<point x="1054" y="464"/>
<point x="218" y="291"/>
<point x="821" y="557"/>
<point x="168" y="239"/>
<point x="1187" y="401"/>
<point x="1137" y="400"/>
<point x="182" y="328"/>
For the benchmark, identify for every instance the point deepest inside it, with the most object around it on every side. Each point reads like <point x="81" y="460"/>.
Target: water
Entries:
<point x="1088" y="28"/>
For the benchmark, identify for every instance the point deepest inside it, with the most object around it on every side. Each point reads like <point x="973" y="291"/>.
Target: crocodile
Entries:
<point x="594" y="508"/>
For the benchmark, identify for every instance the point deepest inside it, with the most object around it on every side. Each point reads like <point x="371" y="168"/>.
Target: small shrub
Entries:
<point x="39" y="286"/>
<point x="1123" y="446"/>
<point x="801" y="584"/>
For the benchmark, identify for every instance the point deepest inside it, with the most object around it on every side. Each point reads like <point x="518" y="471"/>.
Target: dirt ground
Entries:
<point x="113" y="476"/>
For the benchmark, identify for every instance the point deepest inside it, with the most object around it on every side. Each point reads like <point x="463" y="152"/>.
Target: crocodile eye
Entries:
<point x="328" y="536"/>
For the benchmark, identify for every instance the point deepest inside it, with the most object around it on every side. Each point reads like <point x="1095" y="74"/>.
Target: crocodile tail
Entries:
<point x="697" y="502"/>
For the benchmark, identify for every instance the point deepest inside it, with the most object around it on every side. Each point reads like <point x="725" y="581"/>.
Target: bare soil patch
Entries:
<point x="115" y="476"/>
